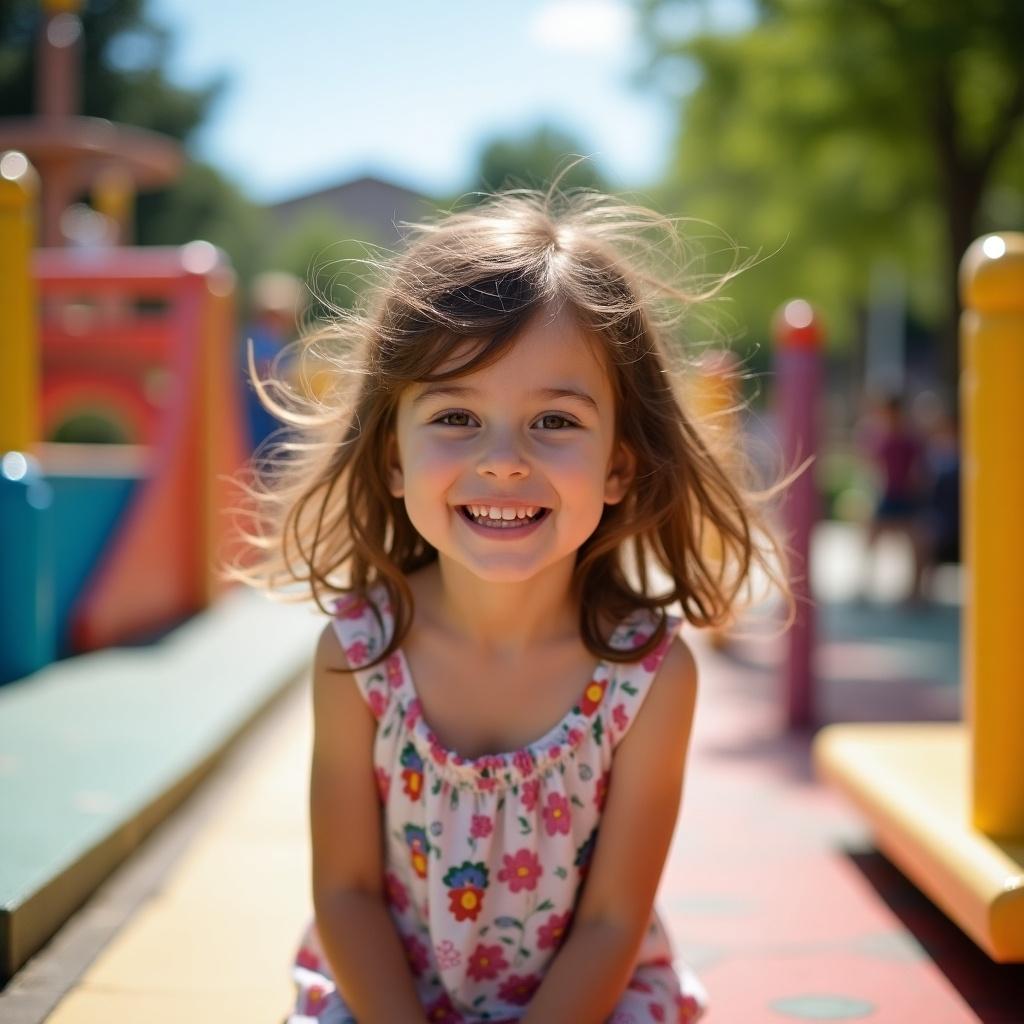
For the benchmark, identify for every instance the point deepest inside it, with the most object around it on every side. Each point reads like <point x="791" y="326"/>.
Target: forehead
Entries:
<point x="550" y="351"/>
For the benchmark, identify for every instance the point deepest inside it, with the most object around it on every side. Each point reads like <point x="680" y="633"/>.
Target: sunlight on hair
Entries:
<point x="695" y="531"/>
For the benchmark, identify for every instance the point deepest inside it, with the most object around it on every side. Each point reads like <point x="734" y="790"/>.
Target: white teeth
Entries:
<point x="494" y="513"/>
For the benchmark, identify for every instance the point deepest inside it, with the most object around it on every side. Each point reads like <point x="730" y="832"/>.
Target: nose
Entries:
<point x="501" y="459"/>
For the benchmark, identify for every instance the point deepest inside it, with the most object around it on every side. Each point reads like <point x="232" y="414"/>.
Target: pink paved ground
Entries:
<point x="774" y="892"/>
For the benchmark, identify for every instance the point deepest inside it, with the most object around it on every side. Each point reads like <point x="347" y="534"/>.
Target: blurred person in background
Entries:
<point x="940" y="514"/>
<point x="276" y="302"/>
<point x="897" y="452"/>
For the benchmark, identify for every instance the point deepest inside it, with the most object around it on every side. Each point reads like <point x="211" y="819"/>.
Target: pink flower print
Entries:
<point x="383" y="783"/>
<point x="521" y="870"/>
<point x="656" y="1010"/>
<point x="653" y="660"/>
<point x="519" y="990"/>
<point x="574" y="736"/>
<point x="639" y="985"/>
<point x="448" y="957"/>
<point x="551" y="934"/>
<point x="307" y="958"/>
<point x="620" y="718"/>
<point x="555" y="750"/>
<point x="357" y="653"/>
<point x="351" y="606"/>
<point x="378" y="702"/>
<point x="523" y="761"/>
<point x="486" y="963"/>
<point x="393" y="664"/>
<point x="556" y="814"/>
<point x="416" y="954"/>
<point x="688" y="1008"/>
<point x="441" y="1011"/>
<point x="437" y="752"/>
<point x="531" y="792"/>
<point x="412" y="714"/>
<point x="593" y="695"/>
<point x="481" y="826"/>
<point x="397" y="894"/>
<point x="601" y="791"/>
<point x="486" y="785"/>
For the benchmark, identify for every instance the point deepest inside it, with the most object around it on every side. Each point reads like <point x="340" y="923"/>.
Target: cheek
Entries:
<point x="429" y="467"/>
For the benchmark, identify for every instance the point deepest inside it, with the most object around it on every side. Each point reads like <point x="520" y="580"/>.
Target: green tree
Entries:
<point x="334" y="257"/>
<point x="835" y="135"/>
<point x="534" y="159"/>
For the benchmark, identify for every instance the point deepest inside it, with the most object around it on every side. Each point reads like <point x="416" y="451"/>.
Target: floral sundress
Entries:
<point x="484" y="856"/>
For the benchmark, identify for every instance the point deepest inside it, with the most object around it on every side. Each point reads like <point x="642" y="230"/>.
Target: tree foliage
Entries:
<point x="835" y="137"/>
<point x="533" y="159"/>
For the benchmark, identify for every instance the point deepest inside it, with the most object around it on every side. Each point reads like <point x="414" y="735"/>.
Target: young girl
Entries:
<point x="500" y="494"/>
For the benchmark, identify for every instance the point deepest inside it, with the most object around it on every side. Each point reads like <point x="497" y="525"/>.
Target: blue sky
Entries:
<point x="409" y="89"/>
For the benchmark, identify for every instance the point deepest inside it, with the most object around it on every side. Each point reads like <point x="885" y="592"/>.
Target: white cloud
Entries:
<point x="583" y="26"/>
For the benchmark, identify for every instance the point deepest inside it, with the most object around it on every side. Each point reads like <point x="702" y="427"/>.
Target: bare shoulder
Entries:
<point x="337" y="703"/>
<point x="666" y="715"/>
<point x="329" y="652"/>
<point x="344" y="806"/>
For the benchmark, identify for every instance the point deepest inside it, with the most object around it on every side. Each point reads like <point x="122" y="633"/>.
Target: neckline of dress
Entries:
<point x="555" y="736"/>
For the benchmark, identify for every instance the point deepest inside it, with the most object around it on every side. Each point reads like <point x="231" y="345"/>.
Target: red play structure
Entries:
<point x="146" y="338"/>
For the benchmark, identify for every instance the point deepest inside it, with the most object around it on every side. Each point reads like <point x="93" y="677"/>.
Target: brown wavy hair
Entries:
<point x="692" y="529"/>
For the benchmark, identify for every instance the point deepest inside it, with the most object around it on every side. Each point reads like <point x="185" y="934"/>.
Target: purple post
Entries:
<point x="798" y="391"/>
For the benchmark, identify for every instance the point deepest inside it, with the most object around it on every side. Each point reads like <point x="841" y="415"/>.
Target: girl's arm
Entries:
<point x="590" y="972"/>
<point x="356" y="929"/>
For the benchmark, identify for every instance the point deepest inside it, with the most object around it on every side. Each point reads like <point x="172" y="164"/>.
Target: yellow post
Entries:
<point x="992" y="340"/>
<point x="19" y="346"/>
<point x="113" y="195"/>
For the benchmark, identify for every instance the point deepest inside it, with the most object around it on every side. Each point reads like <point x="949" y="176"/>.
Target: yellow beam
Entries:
<point x="912" y="783"/>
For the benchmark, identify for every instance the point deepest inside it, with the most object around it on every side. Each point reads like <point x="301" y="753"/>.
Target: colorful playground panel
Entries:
<point x="145" y="339"/>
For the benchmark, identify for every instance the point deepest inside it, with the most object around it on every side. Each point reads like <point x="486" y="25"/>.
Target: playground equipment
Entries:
<point x="76" y="154"/>
<point x="798" y="340"/>
<point x="947" y="801"/>
<point x="127" y="539"/>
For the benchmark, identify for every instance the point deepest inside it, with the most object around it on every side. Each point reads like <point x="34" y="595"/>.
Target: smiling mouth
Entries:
<point x="503" y="524"/>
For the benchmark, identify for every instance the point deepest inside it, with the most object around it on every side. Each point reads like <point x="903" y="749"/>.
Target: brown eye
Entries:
<point x="454" y="419"/>
<point x="559" y="421"/>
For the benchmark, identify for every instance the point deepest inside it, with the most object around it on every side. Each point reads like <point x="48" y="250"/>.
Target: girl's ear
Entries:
<point x="621" y="471"/>
<point x="393" y="469"/>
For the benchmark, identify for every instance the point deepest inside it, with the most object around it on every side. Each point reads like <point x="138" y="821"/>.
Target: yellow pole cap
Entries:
<point x="992" y="273"/>
<point x="19" y="182"/>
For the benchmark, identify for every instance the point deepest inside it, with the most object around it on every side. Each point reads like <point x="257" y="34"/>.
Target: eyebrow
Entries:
<point x="463" y="391"/>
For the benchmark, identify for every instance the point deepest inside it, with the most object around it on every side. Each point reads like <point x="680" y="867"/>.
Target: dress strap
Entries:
<point x="364" y="626"/>
<point x="631" y="681"/>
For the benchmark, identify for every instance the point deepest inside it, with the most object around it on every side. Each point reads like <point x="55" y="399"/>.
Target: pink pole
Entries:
<point x="798" y="342"/>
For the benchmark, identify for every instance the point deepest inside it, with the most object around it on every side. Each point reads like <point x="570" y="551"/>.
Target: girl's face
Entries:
<point x="532" y="432"/>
